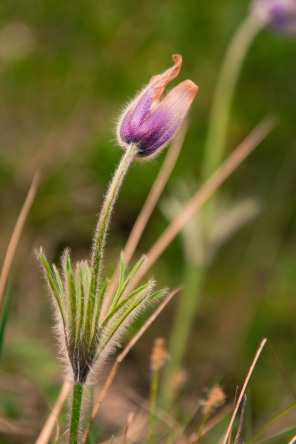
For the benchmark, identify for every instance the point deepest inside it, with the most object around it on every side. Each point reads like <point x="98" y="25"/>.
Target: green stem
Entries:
<point x="273" y="420"/>
<point x="76" y="407"/>
<point x="201" y="427"/>
<point x="186" y="310"/>
<point x="153" y="397"/>
<point x="104" y="219"/>
<point x="223" y="95"/>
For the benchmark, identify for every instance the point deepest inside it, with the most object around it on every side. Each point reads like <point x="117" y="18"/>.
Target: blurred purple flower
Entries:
<point x="149" y="122"/>
<point x="278" y="14"/>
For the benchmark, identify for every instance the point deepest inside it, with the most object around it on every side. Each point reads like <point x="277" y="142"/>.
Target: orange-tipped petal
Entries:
<point x="160" y="81"/>
<point x="179" y="99"/>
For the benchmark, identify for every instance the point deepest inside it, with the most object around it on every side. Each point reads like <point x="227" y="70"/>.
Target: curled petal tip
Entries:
<point x="177" y="59"/>
<point x="161" y="80"/>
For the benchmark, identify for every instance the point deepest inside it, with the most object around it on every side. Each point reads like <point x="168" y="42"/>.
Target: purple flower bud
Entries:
<point x="149" y="122"/>
<point x="280" y="15"/>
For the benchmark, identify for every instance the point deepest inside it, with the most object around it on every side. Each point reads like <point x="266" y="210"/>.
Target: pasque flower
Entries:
<point x="91" y="315"/>
<point x="149" y="122"/>
<point x="278" y="14"/>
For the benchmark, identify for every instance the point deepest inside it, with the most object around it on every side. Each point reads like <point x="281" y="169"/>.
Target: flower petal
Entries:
<point x="160" y="81"/>
<point x="179" y="99"/>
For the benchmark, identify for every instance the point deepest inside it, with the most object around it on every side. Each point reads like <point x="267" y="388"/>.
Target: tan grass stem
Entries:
<point x="258" y="353"/>
<point x="15" y="237"/>
<point x="129" y="422"/>
<point x="154" y="194"/>
<point x="293" y="440"/>
<point x="122" y="355"/>
<point x="202" y="195"/>
<point x="46" y="431"/>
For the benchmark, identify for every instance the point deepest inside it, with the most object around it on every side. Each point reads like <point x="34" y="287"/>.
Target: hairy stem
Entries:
<point x="104" y="219"/>
<point x="76" y="407"/>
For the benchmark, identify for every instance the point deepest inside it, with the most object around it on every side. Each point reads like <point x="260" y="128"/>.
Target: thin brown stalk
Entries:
<point x="129" y="421"/>
<point x="46" y="431"/>
<point x="241" y="420"/>
<point x="123" y="354"/>
<point x="293" y="440"/>
<point x="281" y="370"/>
<point x="258" y="353"/>
<point x="154" y="195"/>
<point x="204" y="193"/>
<point x="233" y="407"/>
<point x="15" y="237"/>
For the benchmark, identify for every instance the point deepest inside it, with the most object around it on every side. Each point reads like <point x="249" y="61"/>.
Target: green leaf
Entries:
<point x="98" y="309"/>
<point x="124" y="302"/>
<point x="82" y="297"/>
<point x="51" y="281"/>
<point x="71" y="293"/>
<point x="156" y="294"/>
<point x="85" y="280"/>
<point x="135" y="270"/>
<point x="60" y="286"/>
<point x="122" y="285"/>
<point x="115" y="325"/>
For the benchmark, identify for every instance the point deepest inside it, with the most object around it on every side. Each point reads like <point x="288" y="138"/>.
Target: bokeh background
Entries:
<point x="66" y="71"/>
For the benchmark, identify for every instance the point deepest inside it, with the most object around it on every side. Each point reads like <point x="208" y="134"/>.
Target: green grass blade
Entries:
<point x="3" y="316"/>
<point x="273" y="420"/>
<point x="277" y="435"/>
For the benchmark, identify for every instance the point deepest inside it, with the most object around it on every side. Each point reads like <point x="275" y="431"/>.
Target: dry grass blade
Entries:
<point x="204" y="193"/>
<point x="261" y="346"/>
<point x="46" y="431"/>
<point x="233" y="407"/>
<point x="127" y="425"/>
<point x="154" y="194"/>
<point x="241" y="420"/>
<point x="293" y="440"/>
<point x="14" y="240"/>
<point x="149" y="205"/>
<point x="123" y="354"/>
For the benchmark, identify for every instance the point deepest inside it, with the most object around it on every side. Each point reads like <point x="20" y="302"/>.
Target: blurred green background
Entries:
<point x="66" y="71"/>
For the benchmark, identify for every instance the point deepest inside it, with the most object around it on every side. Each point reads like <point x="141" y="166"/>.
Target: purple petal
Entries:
<point x="142" y="109"/>
<point x="125" y="132"/>
<point x="154" y="127"/>
<point x="160" y="141"/>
